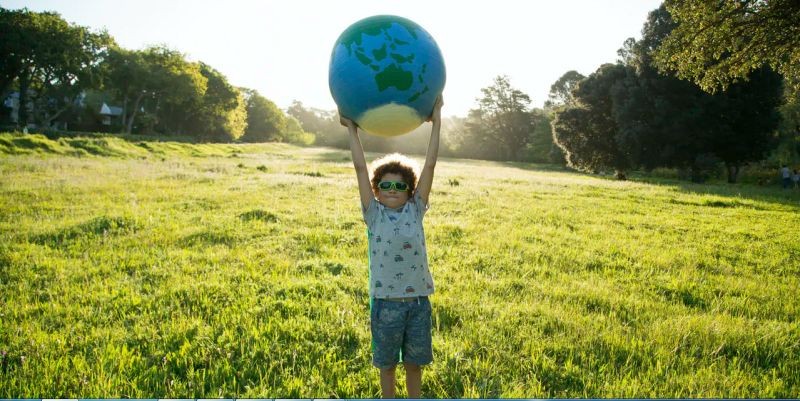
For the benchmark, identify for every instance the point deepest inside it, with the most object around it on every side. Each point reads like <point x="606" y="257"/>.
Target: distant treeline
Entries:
<point x="707" y="86"/>
<point x="57" y="75"/>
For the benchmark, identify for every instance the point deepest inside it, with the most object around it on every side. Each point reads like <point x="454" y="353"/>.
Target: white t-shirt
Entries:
<point x="785" y="172"/>
<point x="398" y="260"/>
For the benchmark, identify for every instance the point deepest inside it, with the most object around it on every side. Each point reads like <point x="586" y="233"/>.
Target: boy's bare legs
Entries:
<point x="413" y="380"/>
<point x="387" y="382"/>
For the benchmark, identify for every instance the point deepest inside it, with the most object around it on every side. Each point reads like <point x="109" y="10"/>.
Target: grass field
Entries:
<point x="167" y="270"/>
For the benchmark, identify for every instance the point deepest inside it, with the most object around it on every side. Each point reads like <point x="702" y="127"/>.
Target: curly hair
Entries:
<point x="395" y="163"/>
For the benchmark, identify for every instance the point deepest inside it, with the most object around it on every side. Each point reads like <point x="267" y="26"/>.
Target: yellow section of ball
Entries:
<point x="389" y="120"/>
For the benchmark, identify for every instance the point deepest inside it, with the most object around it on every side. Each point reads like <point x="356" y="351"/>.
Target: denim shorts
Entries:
<point x="401" y="332"/>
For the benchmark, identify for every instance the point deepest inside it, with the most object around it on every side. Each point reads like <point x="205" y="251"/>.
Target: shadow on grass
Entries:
<point x="733" y="195"/>
<point x="206" y="238"/>
<point x="728" y="195"/>
<point x="98" y="226"/>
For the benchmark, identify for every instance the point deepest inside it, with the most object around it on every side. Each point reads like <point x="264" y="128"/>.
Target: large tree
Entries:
<point x="161" y="83"/>
<point x="265" y="121"/>
<point x="719" y="42"/>
<point x="127" y="78"/>
<point x="673" y="123"/>
<point x="501" y="124"/>
<point x="222" y="115"/>
<point x="561" y="90"/>
<point x="323" y="124"/>
<point x="50" y="61"/>
<point x="588" y="131"/>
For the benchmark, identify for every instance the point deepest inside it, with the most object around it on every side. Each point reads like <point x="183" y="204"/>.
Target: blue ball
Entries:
<point x="385" y="74"/>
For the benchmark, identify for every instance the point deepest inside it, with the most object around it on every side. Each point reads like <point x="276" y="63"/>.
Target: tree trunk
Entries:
<point x="49" y="120"/>
<point x="124" y="113"/>
<point x="697" y="175"/>
<point x="135" y="110"/>
<point x="22" y="112"/>
<point x="733" y="172"/>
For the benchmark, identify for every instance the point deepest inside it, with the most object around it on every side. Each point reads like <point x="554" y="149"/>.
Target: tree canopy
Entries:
<point x="51" y="61"/>
<point x="717" y="43"/>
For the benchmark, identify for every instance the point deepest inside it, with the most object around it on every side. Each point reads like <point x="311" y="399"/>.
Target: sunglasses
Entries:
<point x="390" y="185"/>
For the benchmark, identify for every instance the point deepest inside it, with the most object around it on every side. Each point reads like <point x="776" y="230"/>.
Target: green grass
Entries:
<point x="173" y="270"/>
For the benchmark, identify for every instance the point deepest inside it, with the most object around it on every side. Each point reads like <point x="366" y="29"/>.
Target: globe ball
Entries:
<point x="385" y="74"/>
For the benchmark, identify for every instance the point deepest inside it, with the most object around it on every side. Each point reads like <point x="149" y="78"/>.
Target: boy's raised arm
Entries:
<point x="426" y="176"/>
<point x="359" y="162"/>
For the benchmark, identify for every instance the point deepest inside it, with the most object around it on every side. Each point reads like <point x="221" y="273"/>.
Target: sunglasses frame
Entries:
<point x="393" y="186"/>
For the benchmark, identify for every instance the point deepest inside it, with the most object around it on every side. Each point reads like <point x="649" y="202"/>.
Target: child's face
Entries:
<point x="392" y="198"/>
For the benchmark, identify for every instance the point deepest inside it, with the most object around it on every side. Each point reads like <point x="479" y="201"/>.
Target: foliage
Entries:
<point x="539" y="145"/>
<point x="501" y="119"/>
<point x="324" y="124"/>
<point x="295" y="134"/>
<point x="561" y="90"/>
<point x="637" y="116"/>
<point x="679" y="125"/>
<point x="228" y="270"/>
<point x="788" y="148"/>
<point x="50" y="61"/>
<point x="588" y="131"/>
<point x="265" y="121"/>
<point x="717" y="43"/>
<point x="222" y="113"/>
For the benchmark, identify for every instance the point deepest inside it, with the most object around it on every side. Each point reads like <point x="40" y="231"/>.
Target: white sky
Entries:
<point x="282" y="48"/>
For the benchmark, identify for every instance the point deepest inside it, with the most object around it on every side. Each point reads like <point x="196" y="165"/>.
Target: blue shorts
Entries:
<point x="401" y="331"/>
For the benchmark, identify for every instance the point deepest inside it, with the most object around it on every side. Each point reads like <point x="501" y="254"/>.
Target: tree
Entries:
<point x="747" y="116"/>
<point x="161" y="83"/>
<point x="175" y="87"/>
<point x="51" y="61"/>
<point x="673" y="123"/>
<point x="265" y="121"/>
<point x="127" y="77"/>
<point x="540" y="143"/>
<point x="587" y="131"/>
<point x="502" y="120"/>
<point x="324" y="124"/>
<point x="294" y="133"/>
<point x="222" y="113"/>
<point x="717" y="43"/>
<point x="561" y="90"/>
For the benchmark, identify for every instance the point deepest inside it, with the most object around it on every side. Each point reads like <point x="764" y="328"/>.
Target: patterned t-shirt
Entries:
<point x="398" y="261"/>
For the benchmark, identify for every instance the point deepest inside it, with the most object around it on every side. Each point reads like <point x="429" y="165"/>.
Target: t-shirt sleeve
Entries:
<point x="419" y="206"/>
<point x="371" y="212"/>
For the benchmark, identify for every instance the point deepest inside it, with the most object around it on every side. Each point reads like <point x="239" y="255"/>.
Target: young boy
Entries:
<point x="400" y="280"/>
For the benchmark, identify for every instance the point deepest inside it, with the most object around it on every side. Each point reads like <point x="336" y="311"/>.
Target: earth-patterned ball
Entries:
<point x="385" y="74"/>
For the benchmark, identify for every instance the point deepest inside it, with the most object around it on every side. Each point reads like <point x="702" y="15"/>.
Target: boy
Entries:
<point x="400" y="281"/>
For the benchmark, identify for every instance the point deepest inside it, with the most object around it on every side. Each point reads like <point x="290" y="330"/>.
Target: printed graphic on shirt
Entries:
<point x="398" y="257"/>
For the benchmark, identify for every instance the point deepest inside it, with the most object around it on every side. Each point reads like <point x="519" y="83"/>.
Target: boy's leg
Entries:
<point x="387" y="324"/>
<point x="417" y="348"/>
<point x="413" y="380"/>
<point x="387" y="382"/>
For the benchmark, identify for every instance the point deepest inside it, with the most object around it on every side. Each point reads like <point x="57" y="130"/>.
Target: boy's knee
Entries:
<point x="411" y="367"/>
<point x="388" y="371"/>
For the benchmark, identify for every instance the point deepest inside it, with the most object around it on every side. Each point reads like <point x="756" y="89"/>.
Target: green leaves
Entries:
<point x="717" y="43"/>
<point x="51" y="62"/>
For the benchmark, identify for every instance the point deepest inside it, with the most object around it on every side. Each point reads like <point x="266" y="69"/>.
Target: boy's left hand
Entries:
<point x="436" y="115"/>
<point x="346" y="122"/>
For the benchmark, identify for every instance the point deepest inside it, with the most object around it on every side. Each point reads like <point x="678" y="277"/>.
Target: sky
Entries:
<point x="282" y="48"/>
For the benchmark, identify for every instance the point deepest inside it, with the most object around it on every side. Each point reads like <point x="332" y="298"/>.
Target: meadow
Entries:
<point x="150" y="269"/>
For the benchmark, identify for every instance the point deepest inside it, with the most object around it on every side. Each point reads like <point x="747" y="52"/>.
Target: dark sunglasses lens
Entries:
<point x="384" y="185"/>
<point x="401" y="186"/>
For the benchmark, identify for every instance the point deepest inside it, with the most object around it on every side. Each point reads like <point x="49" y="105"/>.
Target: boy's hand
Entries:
<point x="436" y="115"/>
<point x="346" y="122"/>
